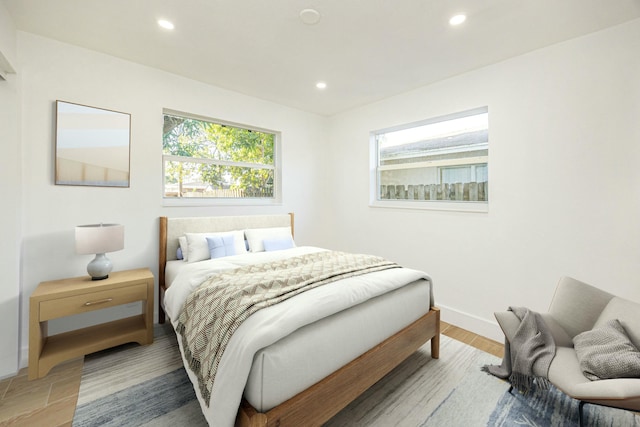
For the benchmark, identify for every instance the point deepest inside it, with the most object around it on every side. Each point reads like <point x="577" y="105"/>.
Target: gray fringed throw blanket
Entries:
<point x="529" y="353"/>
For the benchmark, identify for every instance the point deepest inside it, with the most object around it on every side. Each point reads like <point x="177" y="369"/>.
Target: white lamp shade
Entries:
<point x="99" y="238"/>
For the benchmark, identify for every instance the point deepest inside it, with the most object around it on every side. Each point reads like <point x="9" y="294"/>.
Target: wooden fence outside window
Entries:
<point x="464" y="192"/>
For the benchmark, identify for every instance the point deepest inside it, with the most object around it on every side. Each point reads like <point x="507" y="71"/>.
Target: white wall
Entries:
<point x="10" y="194"/>
<point x="7" y="41"/>
<point x="51" y="70"/>
<point x="564" y="172"/>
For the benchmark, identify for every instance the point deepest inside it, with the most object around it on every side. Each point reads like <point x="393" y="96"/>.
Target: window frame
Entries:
<point x="447" y="205"/>
<point x="226" y="201"/>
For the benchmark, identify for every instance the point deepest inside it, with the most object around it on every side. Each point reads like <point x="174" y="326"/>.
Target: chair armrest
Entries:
<point x="509" y="323"/>
<point x="576" y="306"/>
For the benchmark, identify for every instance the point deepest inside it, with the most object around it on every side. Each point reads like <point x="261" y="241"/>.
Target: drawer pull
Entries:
<point x="101" y="301"/>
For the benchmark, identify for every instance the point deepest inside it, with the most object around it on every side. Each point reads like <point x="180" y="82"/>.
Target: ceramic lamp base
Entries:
<point x="100" y="267"/>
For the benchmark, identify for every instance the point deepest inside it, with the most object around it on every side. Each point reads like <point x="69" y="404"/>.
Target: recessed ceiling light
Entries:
<point x="321" y="85"/>
<point x="166" y="24"/>
<point x="457" y="20"/>
<point x="310" y="16"/>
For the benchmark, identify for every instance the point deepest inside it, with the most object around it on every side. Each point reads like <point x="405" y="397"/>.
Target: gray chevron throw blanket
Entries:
<point x="215" y="310"/>
<point x="528" y="355"/>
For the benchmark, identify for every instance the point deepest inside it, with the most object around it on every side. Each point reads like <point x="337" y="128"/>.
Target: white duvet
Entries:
<point x="273" y="323"/>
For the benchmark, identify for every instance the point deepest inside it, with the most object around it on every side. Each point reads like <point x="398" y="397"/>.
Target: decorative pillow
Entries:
<point x="278" y="243"/>
<point x="627" y="312"/>
<point x="607" y="352"/>
<point x="256" y="236"/>
<point x="179" y="253"/>
<point x="221" y="246"/>
<point x="184" y="247"/>
<point x="198" y="248"/>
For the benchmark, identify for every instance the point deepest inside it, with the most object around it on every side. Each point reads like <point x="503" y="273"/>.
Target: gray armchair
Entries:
<point x="575" y="308"/>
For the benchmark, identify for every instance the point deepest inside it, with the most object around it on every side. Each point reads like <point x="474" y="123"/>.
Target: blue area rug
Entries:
<point x="146" y="401"/>
<point x="136" y="385"/>
<point x="554" y="408"/>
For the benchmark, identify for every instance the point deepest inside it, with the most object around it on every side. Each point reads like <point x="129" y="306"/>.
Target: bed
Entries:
<point x="303" y="373"/>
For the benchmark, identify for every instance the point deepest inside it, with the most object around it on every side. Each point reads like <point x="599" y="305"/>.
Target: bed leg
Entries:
<point x="249" y="417"/>
<point x="435" y="347"/>
<point x="161" y="316"/>
<point x="435" y="341"/>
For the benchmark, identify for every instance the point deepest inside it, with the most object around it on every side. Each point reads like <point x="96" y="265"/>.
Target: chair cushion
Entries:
<point x="560" y="336"/>
<point x="576" y="305"/>
<point x="607" y="352"/>
<point x="565" y="372"/>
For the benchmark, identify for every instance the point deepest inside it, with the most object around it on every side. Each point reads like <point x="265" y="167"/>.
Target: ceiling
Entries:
<point x="365" y="50"/>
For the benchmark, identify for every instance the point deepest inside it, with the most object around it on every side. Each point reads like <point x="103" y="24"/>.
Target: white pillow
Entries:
<point x="278" y="243"/>
<point x="184" y="247"/>
<point x="255" y="236"/>
<point x="198" y="248"/>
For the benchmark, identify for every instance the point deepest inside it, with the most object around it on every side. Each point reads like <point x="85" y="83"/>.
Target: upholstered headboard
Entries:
<point x="172" y="228"/>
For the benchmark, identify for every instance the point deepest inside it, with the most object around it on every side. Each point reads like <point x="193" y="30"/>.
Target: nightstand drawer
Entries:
<point x="55" y="308"/>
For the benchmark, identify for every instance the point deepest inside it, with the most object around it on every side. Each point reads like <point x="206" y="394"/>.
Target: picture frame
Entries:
<point x="92" y="146"/>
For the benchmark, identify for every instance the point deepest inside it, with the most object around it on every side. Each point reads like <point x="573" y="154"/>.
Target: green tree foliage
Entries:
<point x="224" y="145"/>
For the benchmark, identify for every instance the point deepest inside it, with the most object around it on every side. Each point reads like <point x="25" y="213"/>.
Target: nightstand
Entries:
<point x="66" y="297"/>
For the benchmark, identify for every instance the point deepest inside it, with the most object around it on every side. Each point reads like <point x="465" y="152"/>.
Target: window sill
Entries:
<point x="477" y="207"/>
<point x="204" y="201"/>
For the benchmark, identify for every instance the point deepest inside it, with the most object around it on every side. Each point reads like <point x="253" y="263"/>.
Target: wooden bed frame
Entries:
<point x="317" y="404"/>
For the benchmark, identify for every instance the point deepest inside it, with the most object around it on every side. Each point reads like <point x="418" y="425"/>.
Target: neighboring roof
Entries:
<point x="469" y="141"/>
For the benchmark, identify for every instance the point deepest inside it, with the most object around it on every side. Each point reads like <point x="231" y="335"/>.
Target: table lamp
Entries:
<point x="99" y="239"/>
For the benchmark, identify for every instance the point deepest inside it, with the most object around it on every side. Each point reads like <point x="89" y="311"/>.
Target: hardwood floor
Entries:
<point x="48" y="401"/>
<point x="469" y="338"/>
<point x="51" y="401"/>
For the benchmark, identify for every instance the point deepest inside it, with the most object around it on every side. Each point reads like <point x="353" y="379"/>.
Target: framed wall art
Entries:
<point x="92" y="146"/>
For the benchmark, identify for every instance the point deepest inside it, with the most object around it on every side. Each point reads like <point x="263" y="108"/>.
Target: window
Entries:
<point x="444" y="160"/>
<point x="204" y="158"/>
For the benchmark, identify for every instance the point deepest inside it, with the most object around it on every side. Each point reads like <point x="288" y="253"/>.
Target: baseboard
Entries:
<point x="24" y="358"/>
<point x="477" y="325"/>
